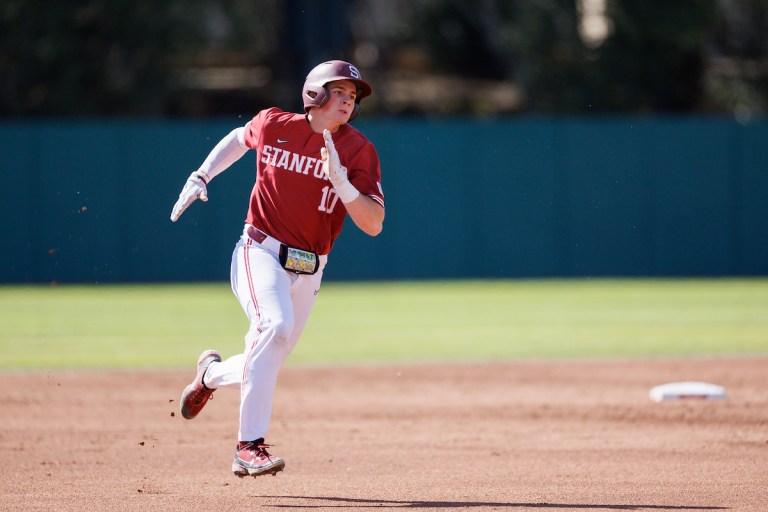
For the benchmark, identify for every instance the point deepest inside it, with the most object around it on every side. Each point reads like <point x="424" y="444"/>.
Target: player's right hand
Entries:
<point x="193" y="189"/>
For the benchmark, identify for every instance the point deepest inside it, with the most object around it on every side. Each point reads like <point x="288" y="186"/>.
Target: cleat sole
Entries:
<point x="242" y="472"/>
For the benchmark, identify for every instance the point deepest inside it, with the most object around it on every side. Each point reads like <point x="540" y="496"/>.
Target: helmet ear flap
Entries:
<point x="315" y="97"/>
<point x="323" y="96"/>
<point x="355" y="111"/>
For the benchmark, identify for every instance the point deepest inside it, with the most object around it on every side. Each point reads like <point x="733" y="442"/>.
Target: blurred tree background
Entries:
<point x="204" y="58"/>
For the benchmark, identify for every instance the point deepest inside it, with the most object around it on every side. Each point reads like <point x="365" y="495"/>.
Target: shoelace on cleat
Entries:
<point x="200" y="395"/>
<point x="259" y="448"/>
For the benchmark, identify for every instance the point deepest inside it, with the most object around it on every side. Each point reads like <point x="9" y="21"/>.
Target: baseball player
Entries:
<point x="312" y="169"/>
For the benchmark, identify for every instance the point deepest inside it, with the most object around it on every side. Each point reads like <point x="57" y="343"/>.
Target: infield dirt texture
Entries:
<point x="527" y="436"/>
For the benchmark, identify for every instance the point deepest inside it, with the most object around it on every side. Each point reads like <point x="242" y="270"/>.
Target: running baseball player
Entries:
<point x="312" y="169"/>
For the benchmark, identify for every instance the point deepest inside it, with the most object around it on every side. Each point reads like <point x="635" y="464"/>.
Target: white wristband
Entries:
<point x="347" y="192"/>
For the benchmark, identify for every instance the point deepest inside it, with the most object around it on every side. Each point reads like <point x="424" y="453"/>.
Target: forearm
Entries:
<point x="228" y="151"/>
<point x="367" y="214"/>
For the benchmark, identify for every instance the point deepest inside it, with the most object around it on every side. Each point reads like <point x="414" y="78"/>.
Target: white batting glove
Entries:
<point x="336" y="172"/>
<point x="193" y="189"/>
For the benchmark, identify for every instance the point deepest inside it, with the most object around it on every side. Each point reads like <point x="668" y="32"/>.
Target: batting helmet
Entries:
<point x="315" y="93"/>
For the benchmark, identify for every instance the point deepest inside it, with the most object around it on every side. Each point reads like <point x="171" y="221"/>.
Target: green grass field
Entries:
<point x="166" y="326"/>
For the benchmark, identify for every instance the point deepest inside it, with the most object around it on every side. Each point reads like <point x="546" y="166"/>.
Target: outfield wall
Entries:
<point x="89" y="201"/>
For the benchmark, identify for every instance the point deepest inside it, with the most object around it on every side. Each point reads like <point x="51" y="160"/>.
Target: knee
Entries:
<point x="276" y="331"/>
<point x="282" y="328"/>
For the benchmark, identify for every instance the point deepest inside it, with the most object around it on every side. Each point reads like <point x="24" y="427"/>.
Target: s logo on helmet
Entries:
<point x="353" y="72"/>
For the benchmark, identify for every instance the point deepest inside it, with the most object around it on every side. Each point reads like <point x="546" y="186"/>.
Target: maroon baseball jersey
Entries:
<point x="292" y="200"/>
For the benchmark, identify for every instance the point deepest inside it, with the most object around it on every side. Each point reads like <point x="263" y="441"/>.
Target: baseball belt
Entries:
<point x="293" y="259"/>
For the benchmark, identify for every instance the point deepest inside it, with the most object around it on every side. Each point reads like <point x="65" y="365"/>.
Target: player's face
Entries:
<point x="341" y="102"/>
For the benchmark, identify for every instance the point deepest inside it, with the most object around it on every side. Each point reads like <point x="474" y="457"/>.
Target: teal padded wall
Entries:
<point x="89" y="201"/>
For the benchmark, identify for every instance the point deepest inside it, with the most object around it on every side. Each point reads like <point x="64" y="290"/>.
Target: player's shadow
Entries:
<point x="351" y="503"/>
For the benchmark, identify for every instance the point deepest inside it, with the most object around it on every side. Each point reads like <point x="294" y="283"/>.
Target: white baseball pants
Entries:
<point x="277" y="303"/>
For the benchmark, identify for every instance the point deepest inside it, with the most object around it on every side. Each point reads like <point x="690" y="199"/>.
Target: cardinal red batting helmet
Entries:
<point x="315" y="93"/>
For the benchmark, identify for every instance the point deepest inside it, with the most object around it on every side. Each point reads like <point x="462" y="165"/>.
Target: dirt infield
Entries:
<point x="509" y="436"/>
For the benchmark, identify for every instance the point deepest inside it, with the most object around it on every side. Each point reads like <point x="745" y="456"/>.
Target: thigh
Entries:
<point x="261" y="285"/>
<point x="304" y="293"/>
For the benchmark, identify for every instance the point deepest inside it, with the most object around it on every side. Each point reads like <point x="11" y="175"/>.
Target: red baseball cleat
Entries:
<point x="252" y="458"/>
<point x="195" y="396"/>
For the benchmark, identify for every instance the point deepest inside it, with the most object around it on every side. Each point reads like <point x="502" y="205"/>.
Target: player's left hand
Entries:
<point x="332" y="167"/>
<point x="193" y="189"/>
